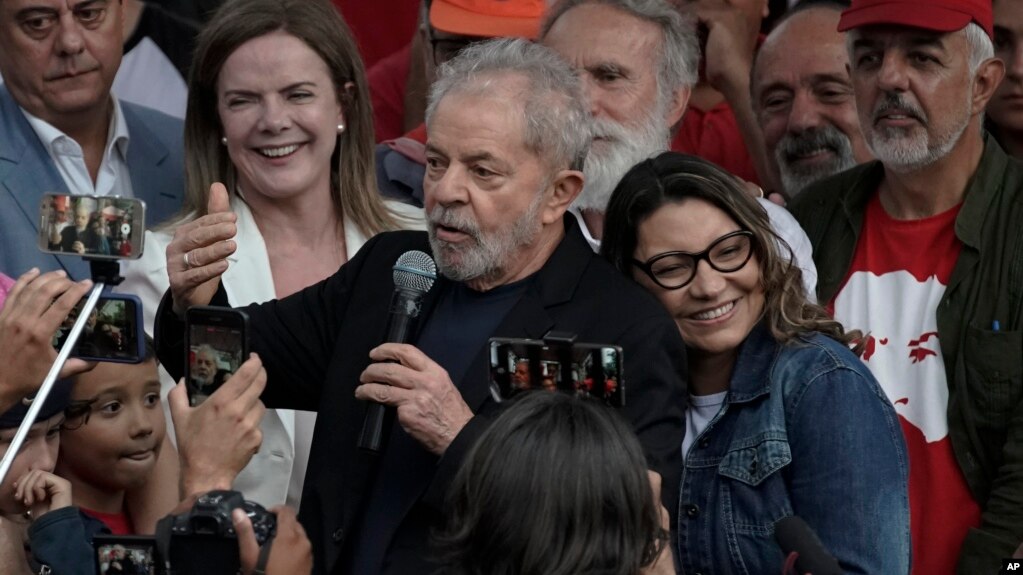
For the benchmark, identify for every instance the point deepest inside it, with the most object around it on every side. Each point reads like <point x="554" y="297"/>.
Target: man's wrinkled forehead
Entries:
<point x="893" y="35"/>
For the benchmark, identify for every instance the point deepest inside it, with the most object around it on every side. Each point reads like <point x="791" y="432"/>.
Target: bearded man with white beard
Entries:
<point x="638" y="60"/>
<point x="922" y="249"/>
<point x="508" y="135"/>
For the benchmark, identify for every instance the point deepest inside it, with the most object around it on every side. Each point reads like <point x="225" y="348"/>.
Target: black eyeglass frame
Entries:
<point x="648" y="265"/>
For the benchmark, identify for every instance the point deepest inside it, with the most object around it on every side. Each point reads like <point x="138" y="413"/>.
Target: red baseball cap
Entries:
<point x="488" y="18"/>
<point x="937" y="15"/>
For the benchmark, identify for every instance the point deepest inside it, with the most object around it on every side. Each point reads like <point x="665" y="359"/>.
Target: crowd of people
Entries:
<point x="798" y="221"/>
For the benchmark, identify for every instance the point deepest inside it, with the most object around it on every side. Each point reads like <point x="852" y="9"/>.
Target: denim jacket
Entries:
<point x="805" y="430"/>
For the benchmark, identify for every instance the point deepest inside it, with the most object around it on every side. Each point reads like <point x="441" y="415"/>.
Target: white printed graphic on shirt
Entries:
<point x="902" y="349"/>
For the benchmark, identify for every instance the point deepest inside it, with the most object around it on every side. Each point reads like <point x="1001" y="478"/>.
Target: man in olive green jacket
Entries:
<point x="923" y="250"/>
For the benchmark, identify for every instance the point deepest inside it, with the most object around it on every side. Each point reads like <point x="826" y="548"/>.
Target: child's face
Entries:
<point x="38" y="452"/>
<point x="117" y="447"/>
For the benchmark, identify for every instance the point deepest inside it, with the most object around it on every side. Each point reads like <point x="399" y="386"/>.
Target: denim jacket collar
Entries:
<point x="751" y="376"/>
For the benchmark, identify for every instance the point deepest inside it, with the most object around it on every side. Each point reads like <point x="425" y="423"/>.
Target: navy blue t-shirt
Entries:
<point x="458" y="328"/>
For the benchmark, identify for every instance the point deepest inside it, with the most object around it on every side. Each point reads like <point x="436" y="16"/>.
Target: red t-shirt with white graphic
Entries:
<point x="897" y="278"/>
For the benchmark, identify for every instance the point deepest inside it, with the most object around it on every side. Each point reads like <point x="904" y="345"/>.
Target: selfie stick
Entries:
<point x="51" y="379"/>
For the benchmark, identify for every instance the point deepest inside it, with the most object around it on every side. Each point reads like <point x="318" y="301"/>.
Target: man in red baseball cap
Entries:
<point x="922" y="251"/>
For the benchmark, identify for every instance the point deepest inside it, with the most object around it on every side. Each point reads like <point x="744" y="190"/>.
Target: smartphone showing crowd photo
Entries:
<point x="98" y="227"/>
<point x="216" y="345"/>
<point x="125" y="555"/>
<point x="112" y="332"/>
<point x="593" y="370"/>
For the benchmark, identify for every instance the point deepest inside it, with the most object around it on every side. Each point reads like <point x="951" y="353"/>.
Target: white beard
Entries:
<point x="609" y="159"/>
<point x="490" y="252"/>
<point x="905" y="151"/>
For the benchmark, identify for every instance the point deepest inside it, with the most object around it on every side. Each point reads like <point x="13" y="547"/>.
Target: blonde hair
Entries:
<point x="318" y="24"/>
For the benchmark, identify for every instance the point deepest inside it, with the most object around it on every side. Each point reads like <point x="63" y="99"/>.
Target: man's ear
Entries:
<point x="564" y="188"/>
<point x="677" y="106"/>
<point x="985" y="80"/>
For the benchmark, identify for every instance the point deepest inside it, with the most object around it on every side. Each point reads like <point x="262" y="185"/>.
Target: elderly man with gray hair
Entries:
<point x="508" y="135"/>
<point x="638" y="60"/>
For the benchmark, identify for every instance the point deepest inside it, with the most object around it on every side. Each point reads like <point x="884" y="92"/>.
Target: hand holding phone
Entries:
<point x="217" y="439"/>
<point x="35" y="307"/>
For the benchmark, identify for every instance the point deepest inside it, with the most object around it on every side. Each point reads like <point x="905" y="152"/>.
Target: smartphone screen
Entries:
<point x="101" y="227"/>
<point x="126" y="554"/>
<point x="217" y="346"/>
<point x="584" y="369"/>
<point x="113" y="331"/>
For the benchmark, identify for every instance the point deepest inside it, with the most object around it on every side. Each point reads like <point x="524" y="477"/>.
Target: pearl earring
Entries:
<point x="340" y="128"/>
<point x="223" y="140"/>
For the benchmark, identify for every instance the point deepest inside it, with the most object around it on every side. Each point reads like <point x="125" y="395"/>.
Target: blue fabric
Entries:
<point x="62" y="540"/>
<point x="398" y="177"/>
<point x="155" y="161"/>
<point x="806" y="431"/>
<point x="56" y="402"/>
<point x="457" y="330"/>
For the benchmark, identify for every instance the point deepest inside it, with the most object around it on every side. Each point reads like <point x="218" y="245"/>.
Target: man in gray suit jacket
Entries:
<point x="61" y="130"/>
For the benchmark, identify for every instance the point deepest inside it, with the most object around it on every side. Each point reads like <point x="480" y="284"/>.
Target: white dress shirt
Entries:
<point x="113" y="178"/>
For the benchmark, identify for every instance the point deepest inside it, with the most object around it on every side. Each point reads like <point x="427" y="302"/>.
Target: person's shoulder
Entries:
<point x="827" y="190"/>
<point x="163" y="125"/>
<point x="813" y="354"/>
<point x="1015" y="171"/>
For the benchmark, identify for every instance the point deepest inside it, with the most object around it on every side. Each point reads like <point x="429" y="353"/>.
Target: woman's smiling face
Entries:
<point x="716" y="310"/>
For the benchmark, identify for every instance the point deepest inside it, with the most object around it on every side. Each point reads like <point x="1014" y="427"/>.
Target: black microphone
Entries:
<point x="414" y="274"/>
<point x="795" y="536"/>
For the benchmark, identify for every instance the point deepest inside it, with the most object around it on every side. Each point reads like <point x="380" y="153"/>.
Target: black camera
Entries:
<point x="204" y="540"/>
<point x="201" y="541"/>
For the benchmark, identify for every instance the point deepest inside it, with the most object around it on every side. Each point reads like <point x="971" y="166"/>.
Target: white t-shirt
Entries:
<point x="701" y="410"/>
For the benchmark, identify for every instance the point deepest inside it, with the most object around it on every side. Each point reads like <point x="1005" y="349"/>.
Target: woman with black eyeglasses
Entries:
<point x="783" y="418"/>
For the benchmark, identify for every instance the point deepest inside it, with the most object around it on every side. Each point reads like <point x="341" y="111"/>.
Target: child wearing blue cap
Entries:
<point x="38" y="525"/>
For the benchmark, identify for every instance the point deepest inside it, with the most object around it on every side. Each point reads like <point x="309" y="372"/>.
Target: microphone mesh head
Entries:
<point x="415" y="270"/>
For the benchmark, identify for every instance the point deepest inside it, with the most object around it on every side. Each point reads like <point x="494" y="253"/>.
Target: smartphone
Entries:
<point x="124" y="554"/>
<point x="113" y="332"/>
<point x="99" y="227"/>
<point x="593" y="370"/>
<point x="216" y="344"/>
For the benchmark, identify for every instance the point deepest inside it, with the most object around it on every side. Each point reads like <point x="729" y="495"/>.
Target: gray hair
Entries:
<point x="981" y="46"/>
<point x="557" y="127"/>
<point x="208" y="350"/>
<point x="680" y="49"/>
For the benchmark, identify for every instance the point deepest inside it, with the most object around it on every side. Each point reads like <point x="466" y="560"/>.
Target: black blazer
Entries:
<point x="316" y="343"/>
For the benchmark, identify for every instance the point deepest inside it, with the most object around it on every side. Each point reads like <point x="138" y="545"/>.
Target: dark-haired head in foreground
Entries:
<point x="557" y="485"/>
